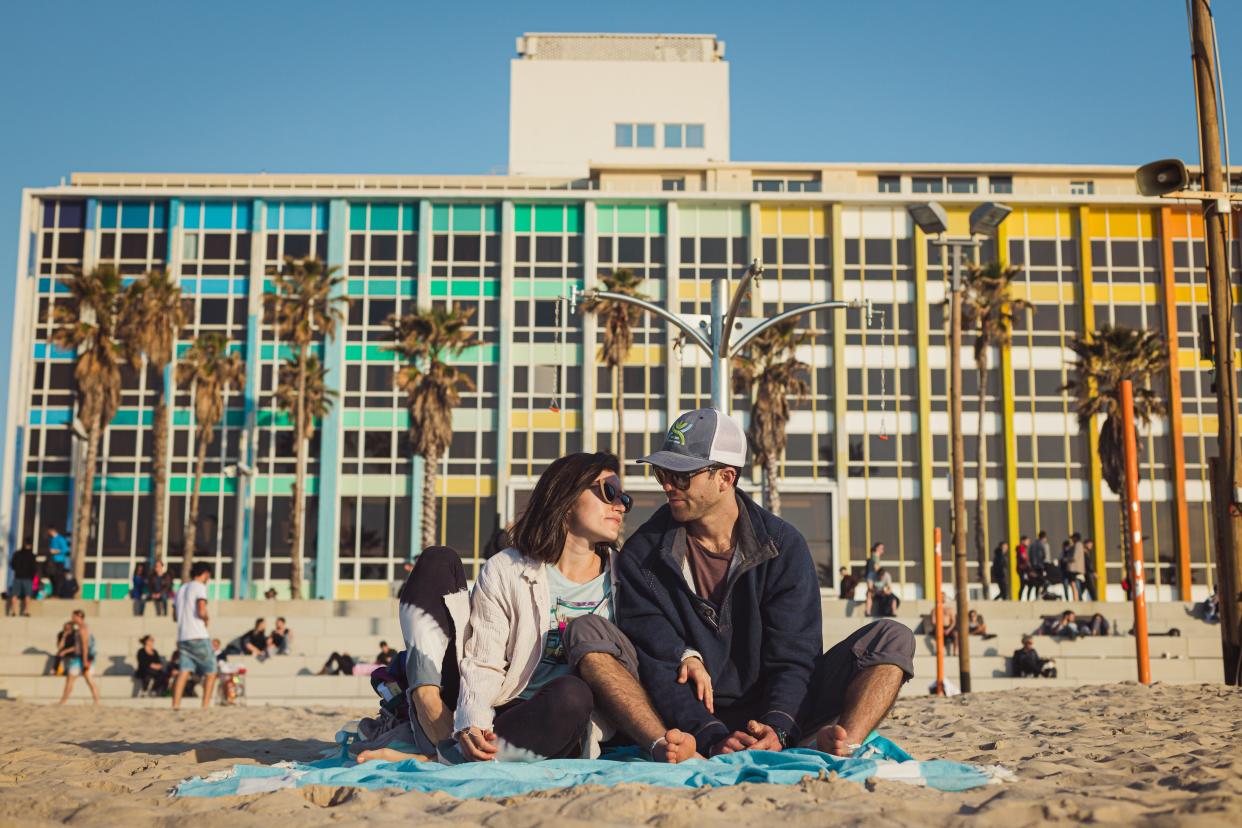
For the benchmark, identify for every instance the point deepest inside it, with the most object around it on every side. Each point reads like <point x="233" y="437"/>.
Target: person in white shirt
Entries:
<point x="543" y="670"/>
<point x="193" y="640"/>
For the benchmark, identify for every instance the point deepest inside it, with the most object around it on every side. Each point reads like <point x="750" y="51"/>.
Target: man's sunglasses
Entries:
<point x="680" y="480"/>
<point x="609" y="491"/>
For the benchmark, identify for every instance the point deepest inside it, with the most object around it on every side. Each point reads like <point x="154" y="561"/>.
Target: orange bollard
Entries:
<point x="1137" y="586"/>
<point x="939" y="618"/>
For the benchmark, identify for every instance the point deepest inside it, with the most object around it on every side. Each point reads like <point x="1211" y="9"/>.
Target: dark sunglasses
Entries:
<point x="680" y="480"/>
<point x="609" y="491"/>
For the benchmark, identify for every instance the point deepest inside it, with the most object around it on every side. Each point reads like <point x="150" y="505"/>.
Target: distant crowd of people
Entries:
<point x="1039" y="570"/>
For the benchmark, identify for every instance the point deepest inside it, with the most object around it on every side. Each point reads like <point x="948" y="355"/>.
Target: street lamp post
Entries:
<point x="714" y="333"/>
<point x="932" y="220"/>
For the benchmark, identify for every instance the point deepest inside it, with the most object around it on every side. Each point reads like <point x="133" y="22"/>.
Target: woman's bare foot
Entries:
<point x="388" y="755"/>
<point x="676" y="747"/>
<point x="834" y="740"/>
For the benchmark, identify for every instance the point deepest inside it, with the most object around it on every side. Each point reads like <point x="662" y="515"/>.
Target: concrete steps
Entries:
<point x="356" y="627"/>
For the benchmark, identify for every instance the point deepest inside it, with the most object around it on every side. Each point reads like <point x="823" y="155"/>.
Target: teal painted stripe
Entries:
<point x="372" y="353"/>
<point x="277" y="419"/>
<point x="630" y="219"/>
<point x="234" y="348"/>
<point x="467" y="288"/>
<point x="233" y="418"/>
<point x="377" y="418"/>
<point x="359" y="288"/>
<point x="214" y="484"/>
<point x="543" y="288"/>
<point x="271" y="351"/>
<point x="54" y="483"/>
<point x="547" y="218"/>
<point x="477" y="354"/>
<point x="112" y="484"/>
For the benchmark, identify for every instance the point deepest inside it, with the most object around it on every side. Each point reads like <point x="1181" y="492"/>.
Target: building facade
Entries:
<point x="867" y="458"/>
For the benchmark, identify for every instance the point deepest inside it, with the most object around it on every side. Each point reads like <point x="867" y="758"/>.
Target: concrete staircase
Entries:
<point x="356" y="627"/>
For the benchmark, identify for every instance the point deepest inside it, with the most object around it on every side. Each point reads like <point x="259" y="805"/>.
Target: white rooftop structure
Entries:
<point x="578" y="100"/>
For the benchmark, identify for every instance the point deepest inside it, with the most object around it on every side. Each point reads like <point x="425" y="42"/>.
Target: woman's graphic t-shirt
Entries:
<point x="568" y="601"/>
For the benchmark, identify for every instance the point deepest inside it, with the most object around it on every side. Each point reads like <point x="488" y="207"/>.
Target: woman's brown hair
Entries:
<point x="541" y="530"/>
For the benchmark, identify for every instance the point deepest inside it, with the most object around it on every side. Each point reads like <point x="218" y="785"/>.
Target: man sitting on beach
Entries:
<point x="713" y="583"/>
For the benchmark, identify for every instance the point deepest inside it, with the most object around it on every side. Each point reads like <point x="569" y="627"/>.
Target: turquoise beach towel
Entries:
<point x="878" y="758"/>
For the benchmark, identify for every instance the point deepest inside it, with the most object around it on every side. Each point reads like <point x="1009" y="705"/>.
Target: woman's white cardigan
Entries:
<point x="504" y="639"/>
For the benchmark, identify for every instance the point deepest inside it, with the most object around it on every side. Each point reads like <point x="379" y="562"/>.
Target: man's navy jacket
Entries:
<point x="759" y="646"/>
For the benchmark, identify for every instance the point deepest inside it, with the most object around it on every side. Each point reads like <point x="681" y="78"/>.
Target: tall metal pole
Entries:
<point x="720" y="360"/>
<point x="960" y="574"/>
<point x="1228" y="482"/>
<point x="1134" y="522"/>
<point x="939" y="691"/>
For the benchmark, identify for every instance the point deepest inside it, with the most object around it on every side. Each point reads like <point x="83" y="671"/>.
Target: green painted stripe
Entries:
<point x="632" y="219"/>
<point x="132" y="417"/>
<point x="465" y="288"/>
<point x="214" y="484"/>
<point x="543" y="288"/>
<point x="277" y="419"/>
<point x="283" y="485"/>
<point x="547" y="218"/>
<point x="372" y="353"/>
<point x="270" y="351"/>
<point x="476" y="355"/>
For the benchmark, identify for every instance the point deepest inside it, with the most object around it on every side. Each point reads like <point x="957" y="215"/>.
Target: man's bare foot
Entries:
<point x="677" y="746"/>
<point x="388" y="755"/>
<point x="833" y="739"/>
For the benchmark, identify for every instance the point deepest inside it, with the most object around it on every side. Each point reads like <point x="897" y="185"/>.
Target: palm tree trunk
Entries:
<point x="771" y="493"/>
<point x="190" y="543"/>
<point x="981" y="498"/>
<point x="431" y="473"/>
<point x="159" y="476"/>
<point x="618" y="402"/>
<point x="86" y="499"/>
<point x="299" y="486"/>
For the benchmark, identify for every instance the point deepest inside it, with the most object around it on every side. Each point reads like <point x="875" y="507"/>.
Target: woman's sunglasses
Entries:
<point x="609" y="491"/>
<point x="679" y="480"/>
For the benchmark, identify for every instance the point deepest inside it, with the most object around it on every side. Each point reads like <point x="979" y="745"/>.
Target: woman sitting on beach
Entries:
<point x="540" y="657"/>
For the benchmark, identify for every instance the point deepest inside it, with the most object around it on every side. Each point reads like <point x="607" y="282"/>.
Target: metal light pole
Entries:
<point x="933" y="220"/>
<point x="1134" y="522"/>
<point x="714" y="333"/>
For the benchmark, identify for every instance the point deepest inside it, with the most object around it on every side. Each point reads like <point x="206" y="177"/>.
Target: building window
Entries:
<point x="635" y="135"/>
<point x="922" y="184"/>
<point x="1000" y="184"/>
<point x="673" y="184"/>
<point x="962" y="184"/>
<point x="1082" y="188"/>
<point x="803" y="186"/>
<point x="694" y="136"/>
<point x="677" y="136"/>
<point x="768" y="185"/>
<point x="890" y="184"/>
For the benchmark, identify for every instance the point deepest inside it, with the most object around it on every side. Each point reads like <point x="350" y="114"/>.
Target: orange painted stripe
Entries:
<point x="1177" y="446"/>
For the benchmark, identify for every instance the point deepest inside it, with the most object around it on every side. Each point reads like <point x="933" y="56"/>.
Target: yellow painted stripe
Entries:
<point x="544" y="420"/>
<point x="1044" y="292"/>
<point x="1009" y="437"/>
<point x="1199" y="294"/>
<point x="922" y="327"/>
<point x="1043" y="222"/>
<point x="645" y="355"/>
<point x="1121" y="223"/>
<point x="841" y="451"/>
<point x="695" y="290"/>
<point x="363" y="592"/>
<point x="1087" y="307"/>
<point x="1129" y="294"/>
<point x="465" y="486"/>
<point x="1205" y="424"/>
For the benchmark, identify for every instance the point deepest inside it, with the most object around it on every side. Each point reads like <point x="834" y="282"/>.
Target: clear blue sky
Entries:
<point x="400" y="87"/>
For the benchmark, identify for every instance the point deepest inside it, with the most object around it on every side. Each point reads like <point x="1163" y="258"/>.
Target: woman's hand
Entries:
<point x="693" y="669"/>
<point x="477" y="745"/>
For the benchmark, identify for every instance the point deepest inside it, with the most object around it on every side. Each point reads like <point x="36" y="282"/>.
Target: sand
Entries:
<point x="1124" y="754"/>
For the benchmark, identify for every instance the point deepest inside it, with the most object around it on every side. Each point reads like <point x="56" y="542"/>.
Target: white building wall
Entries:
<point x="562" y="113"/>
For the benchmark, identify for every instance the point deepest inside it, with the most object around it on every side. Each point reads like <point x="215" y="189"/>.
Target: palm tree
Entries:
<point x="618" y="320"/>
<point x="989" y="305"/>
<point x="770" y="373"/>
<point x="305" y="303"/>
<point x="1104" y="359"/>
<point x="426" y="341"/>
<point x="151" y="322"/>
<point x="210" y="370"/>
<point x="87" y="323"/>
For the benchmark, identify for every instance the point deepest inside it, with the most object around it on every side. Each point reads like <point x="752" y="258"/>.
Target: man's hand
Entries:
<point x="693" y="669"/>
<point x="757" y="736"/>
<point x="478" y="745"/>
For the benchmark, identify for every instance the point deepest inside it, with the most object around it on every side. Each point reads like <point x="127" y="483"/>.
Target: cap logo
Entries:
<point x="677" y="434"/>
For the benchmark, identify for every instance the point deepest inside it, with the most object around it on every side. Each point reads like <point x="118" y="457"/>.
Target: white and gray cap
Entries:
<point x="699" y="439"/>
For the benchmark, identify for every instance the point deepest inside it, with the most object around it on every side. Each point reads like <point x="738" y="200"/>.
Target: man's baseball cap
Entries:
<point x="699" y="439"/>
